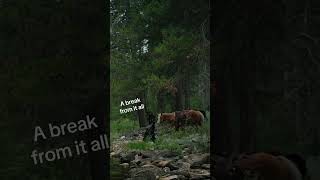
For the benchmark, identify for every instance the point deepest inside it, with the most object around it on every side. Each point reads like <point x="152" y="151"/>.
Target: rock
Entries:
<point x="181" y="169"/>
<point x="199" y="174"/>
<point x="173" y="166"/>
<point x="122" y="137"/>
<point x="119" y="146"/>
<point x="166" y="169"/>
<point x="115" y="154"/>
<point x="145" y="161"/>
<point x="137" y="157"/>
<point x="127" y="157"/>
<point x="184" y="166"/>
<point x="161" y="163"/>
<point x="196" y="160"/>
<point x="148" y="154"/>
<point x="186" y="150"/>
<point x="137" y="160"/>
<point x="141" y="178"/>
<point x="112" y="154"/>
<point x="148" y="165"/>
<point x="168" y="154"/>
<point x="181" y="174"/>
<point x="179" y="177"/>
<point x="173" y="177"/>
<point x="205" y="166"/>
<point x="148" y="172"/>
<point x="134" y="165"/>
<point x="125" y="165"/>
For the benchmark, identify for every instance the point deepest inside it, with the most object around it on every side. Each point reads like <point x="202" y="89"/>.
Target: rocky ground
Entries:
<point x="169" y="165"/>
<point x="159" y="164"/>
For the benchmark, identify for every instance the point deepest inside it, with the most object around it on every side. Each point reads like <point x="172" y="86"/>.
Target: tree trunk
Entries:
<point x="179" y="97"/>
<point x="141" y="112"/>
<point x="187" y="99"/>
<point x="186" y="92"/>
<point x="160" y="102"/>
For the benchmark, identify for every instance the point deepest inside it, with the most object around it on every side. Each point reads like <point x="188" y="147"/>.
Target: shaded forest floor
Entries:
<point x="179" y="154"/>
<point x="196" y="139"/>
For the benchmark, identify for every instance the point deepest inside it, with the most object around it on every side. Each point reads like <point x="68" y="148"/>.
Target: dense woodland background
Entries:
<point x="266" y="76"/>
<point x="265" y="80"/>
<point x="160" y="53"/>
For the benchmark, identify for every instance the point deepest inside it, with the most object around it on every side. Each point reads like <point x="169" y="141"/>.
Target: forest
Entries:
<point x="60" y="59"/>
<point x="160" y="54"/>
<point x="250" y="69"/>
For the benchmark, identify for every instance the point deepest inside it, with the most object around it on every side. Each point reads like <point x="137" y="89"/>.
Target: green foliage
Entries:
<point x="154" y="46"/>
<point x="140" y="145"/>
<point x="122" y="126"/>
<point x="168" y="139"/>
